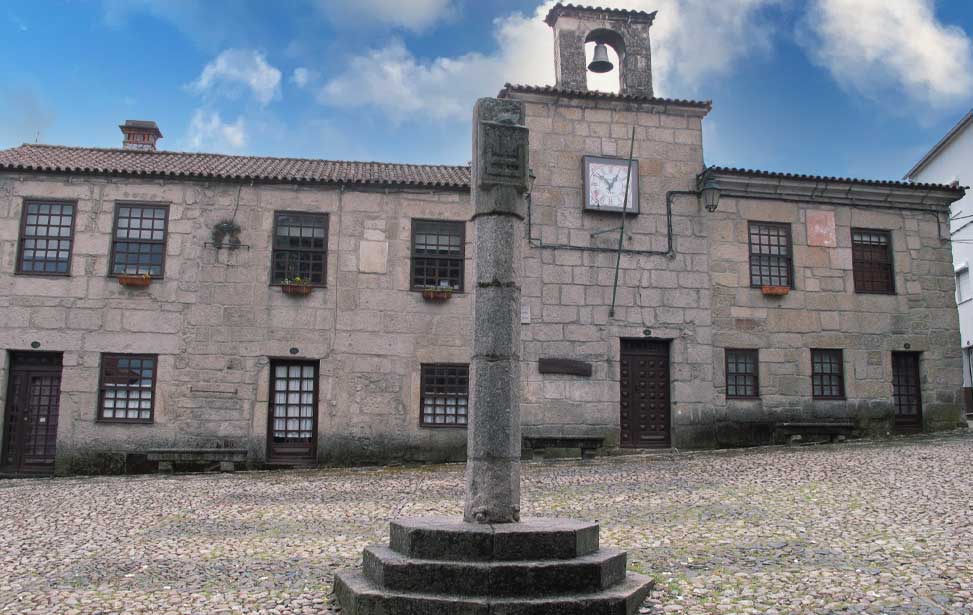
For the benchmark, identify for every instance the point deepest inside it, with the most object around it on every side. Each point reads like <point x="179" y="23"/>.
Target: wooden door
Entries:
<point x="30" y="417"/>
<point x="644" y="394"/>
<point x="293" y="414"/>
<point x="907" y="391"/>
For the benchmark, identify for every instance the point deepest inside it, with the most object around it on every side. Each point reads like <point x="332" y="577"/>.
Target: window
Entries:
<point x="770" y="254"/>
<point x="300" y="248"/>
<point x="139" y="240"/>
<point x="444" y="395"/>
<point x="741" y="373"/>
<point x="963" y="285"/>
<point x="871" y="255"/>
<point x="438" y="254"/>
<point x="46" y="235"/>
<point x="127" y="390"/>
<point x="827" y="374"/>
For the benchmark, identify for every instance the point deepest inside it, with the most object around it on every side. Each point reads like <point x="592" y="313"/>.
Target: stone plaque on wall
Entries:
<point x="821" y="229"/>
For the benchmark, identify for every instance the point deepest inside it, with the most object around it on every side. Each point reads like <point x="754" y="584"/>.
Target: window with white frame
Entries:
<point x="962" y="284"/>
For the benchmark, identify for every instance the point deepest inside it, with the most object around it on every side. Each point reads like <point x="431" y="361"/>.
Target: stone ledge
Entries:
<point x="589" y="573"/>
<point x="358" y="596"/>
<point x="441" y="538"/>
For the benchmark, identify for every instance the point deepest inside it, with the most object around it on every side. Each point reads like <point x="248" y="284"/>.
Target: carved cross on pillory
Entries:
<point x="492" y="561"/>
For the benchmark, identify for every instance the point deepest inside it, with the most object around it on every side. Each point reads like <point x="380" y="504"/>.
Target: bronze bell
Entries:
<point x="600" y="62"/>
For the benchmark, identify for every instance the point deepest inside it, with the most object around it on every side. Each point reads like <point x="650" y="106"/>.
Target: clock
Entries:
<point x="604" y="184"/>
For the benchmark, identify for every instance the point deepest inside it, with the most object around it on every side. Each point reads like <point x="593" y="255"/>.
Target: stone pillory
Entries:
<point x="492" y="562"/>
<point x="499" y="182"/>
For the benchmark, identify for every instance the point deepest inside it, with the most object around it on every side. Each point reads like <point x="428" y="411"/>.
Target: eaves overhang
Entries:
<point x="830" y="190"/>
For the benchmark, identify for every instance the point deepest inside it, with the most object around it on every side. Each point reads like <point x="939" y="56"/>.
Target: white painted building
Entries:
<point x="951" y="160"/>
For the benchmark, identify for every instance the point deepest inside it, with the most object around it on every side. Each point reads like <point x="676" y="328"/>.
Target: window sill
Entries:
<point x="37" y="274"/>
<point x="735" y="398"/>
<point x="427" y="426"/>
<point x="876" y="292"/>
<point x="829" y="399"/>
<point x="420" y="290"/>
<point x="125" y="421"/>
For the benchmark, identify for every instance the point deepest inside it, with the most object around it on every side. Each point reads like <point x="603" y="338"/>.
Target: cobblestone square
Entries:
<point x="851" y="528"/>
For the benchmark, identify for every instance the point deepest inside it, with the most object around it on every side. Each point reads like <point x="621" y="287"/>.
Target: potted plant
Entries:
<point x="227" y="230"/>
<point x="437" y="293"/>
<point x="296" y="286"/>
<point x="775" y="291"/>
<point x="140" y="280"/>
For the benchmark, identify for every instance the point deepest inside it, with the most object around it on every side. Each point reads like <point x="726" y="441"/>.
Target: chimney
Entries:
<point x="140" y="134"/>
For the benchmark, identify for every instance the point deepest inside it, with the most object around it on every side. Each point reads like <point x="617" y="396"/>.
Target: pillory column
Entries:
<point x="499" y="181"/>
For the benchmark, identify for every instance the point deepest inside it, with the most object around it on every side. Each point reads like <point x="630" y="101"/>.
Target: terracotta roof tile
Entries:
<point x="556" y="91"/>
<point x="59" y="158"/>
<point x="573" y="9"/>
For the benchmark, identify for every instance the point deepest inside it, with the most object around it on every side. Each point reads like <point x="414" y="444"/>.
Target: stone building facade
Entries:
<point x="378" y="355"/>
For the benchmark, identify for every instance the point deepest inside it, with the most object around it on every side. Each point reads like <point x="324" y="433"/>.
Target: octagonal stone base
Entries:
<point x="440" y="566"/>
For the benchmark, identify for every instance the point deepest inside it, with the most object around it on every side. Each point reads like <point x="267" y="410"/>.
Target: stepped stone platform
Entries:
<point x="441" y="566"/>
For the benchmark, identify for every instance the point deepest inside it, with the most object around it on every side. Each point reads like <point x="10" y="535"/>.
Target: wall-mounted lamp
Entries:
<point x="710" y="194"/>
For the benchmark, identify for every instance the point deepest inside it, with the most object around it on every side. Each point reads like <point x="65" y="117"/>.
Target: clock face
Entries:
<point x="605" y="181"/>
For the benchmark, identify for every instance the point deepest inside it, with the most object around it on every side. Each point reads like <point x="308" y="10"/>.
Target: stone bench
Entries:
<point x="587" y="444"/>
<point x="227" y="458"/>
<point x="793" y="432"/>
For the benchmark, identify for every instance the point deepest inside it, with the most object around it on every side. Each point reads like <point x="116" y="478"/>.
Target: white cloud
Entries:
<point x="241" y="67"/>
<point x="415" y="15"/>
<point x="403" y="86"/>
<point x="208" y="131"/>
<point x="874" y="46"/>
<point x="302" y="77"/>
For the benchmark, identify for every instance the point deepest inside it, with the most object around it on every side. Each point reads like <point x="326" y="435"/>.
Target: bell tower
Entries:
<point x="627" y="32"/>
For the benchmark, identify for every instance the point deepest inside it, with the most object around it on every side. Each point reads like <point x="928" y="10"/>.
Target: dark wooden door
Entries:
<point x="293" y="414"/>
<point x="30" y="417"/>
<point x="907" y="391"/>
<point x="644" y="389"/>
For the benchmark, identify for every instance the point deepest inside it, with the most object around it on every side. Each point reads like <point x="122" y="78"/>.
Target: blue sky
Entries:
<point x="838" y="87"/>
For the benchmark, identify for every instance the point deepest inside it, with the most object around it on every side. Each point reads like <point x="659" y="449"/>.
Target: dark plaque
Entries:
<point x="505" y="159"/>
<point x="564" y="366"/>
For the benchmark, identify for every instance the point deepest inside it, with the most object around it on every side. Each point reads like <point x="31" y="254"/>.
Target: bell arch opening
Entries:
<point x="610" y="43"/>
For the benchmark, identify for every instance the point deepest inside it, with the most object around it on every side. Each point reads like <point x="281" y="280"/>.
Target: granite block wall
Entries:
<point x="569" y="273"/>
<point x="824" y="311"/>
<point x="215" y="321"/>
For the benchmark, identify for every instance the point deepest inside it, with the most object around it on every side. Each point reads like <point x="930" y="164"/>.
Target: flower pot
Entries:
<point x="775" y="291"/>
<point x="299" y="290"/>
<point x="434" y="294"/>
<point x="135" y="281"/>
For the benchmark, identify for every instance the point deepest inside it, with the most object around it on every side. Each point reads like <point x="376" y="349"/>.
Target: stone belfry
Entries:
<point x="627" y="32"/>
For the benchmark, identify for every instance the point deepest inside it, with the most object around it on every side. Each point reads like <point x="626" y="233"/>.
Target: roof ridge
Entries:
<point x="236" y="156"/>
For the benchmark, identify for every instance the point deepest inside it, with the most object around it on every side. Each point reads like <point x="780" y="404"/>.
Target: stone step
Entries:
<point x="539" y="538"/>
<point x="592" y="572"/>
<point x="359" y="596"/>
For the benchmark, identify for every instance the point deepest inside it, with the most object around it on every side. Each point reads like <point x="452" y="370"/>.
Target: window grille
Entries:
<point x="827" y="374"/>
<point x="127" y="391"/>
<point x="444" y="398"/>
<point x="770" y="254"/>
<point x="871" y="255"/>
<point x="139" y="240"/>
<point x="300" y="248"/>
<point x="742" y="373"/>
<point x="438" y="254"/>
<point x="46" y="238"/>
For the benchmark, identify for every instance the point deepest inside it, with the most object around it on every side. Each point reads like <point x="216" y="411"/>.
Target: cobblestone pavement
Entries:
<point x="852" y="528"/>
